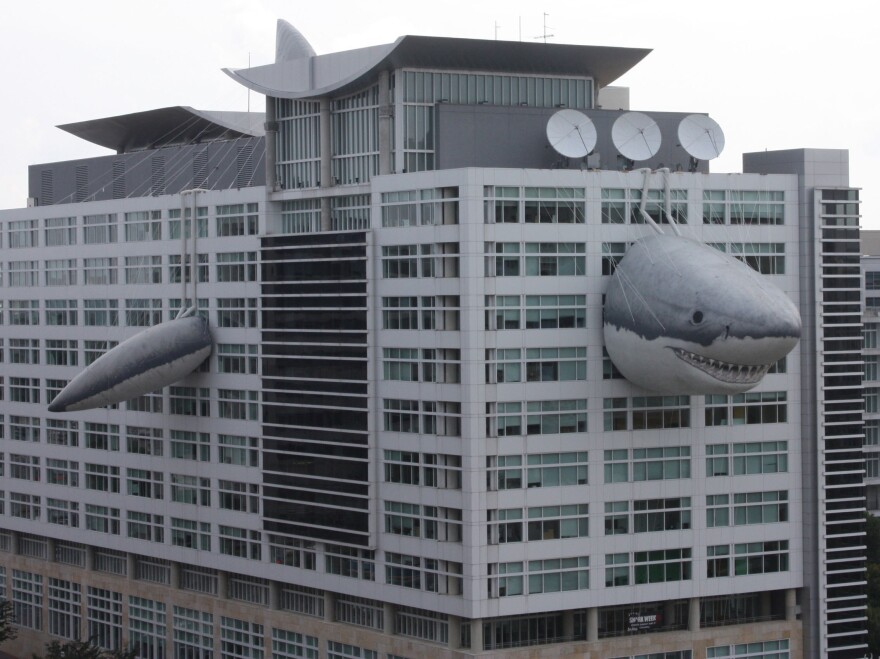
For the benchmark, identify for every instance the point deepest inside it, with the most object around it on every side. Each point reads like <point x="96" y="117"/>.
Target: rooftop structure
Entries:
<point x="166" y="127"/>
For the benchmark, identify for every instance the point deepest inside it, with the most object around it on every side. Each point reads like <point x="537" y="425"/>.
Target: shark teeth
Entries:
<point x="723" y="371"/>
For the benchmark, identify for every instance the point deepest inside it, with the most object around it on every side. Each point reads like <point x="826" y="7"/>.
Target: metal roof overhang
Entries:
<point x="171" y="126"/>
<point x="351" y="70"/>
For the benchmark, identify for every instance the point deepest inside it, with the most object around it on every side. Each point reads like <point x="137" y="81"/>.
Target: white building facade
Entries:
<point x="408" y="441"/>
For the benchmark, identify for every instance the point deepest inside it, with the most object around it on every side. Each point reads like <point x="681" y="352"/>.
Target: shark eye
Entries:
<point x="697" y="318"/>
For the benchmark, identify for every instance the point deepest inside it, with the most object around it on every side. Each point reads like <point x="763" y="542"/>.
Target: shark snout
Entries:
<point x="763" y="340"/>
<point x="764" y="313"/>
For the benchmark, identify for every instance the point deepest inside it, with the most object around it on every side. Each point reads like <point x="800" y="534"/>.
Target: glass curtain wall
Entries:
<point x="422" y="90"/>
<point x="299" y="143"/>
<point x="355" y="137"/>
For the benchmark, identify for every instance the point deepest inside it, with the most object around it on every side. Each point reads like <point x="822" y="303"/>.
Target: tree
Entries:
<point x="8" y="630"/>
<point x="872" y="541"/>
<point x="72" y="650"/>
<point x="83" y="650"/>
<point x="873" y="629"/>
<point x="872" y="538"/>
<point x="123" y="653"/>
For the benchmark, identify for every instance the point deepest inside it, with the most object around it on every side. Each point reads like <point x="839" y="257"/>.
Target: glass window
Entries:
<point x="61" y="312"/>
<point x="60" y="231"/>
<point x="100" y="271"/>
<point x="22" y="233"/>
<point x="23" y="273"/>
<point x="99" y="229"/>
<point x="234" y="220"/>
<point x="143" y="269"/>
<point x="193" y="633"/>
<point x="174" y="222"/>
<point x="143" y="225"/>
<point x="191" y="534"/>
<point x="60" y="272"/>
<point x="233" y="266"/>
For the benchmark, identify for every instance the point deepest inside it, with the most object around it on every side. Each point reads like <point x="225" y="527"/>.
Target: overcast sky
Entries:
<point x="774" y="74"/>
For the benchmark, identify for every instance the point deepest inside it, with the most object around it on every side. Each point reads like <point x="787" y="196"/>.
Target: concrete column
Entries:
<point x="50" y="549"/>
<point x="454" y="632"/>
<point x="389" y="611"/>
<point x="329" y="606"/>
<point x="274" y="595"/>
<point x="271" y="127"/>
<point x="14" y="542"/>
<point x="131" y="565"/>
<point x="90" y="560"/>
<point x="222" y="584"/>
<point x="476" y="635"/>
<point x="568" y="624"/>
<point x="84" y="624"/>
<point x="325" y="143"/>
<point x="766" y="604"/>
<point x="386" y="112"/>
<point x="694" y="614"/>
<point x="325" y="214"/>
<point x="175" y="575"/>
<point x="326" y="159"/>
<point x="593" y="624"/>
<point x="791" y="604"/>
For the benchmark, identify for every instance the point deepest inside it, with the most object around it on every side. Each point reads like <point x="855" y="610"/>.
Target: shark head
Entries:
<point x="684" y="318"/>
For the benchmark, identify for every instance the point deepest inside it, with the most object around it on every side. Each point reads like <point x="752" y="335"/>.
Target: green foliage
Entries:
<point x="83" y="650"/>
<point x="874" y="584"/>
<point x="873" y="629"/>
<point x="8" y="630"/>
<point x="72" y="650"/>
<point x="122" y="654"/>
<point x="872" y="540"/>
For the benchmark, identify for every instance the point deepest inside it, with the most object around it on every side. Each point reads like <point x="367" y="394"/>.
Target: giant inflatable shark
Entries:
<point x="150" y="360"/>
<point x="684" y="318"/>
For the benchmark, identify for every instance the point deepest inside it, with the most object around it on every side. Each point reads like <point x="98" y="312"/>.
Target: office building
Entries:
<point x="409" y="441"/>
<point x="871" y="312"/>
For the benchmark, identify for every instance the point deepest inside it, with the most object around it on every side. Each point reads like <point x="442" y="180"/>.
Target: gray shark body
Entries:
<point x="684" y="318"/>
<point x="150" y="360"/>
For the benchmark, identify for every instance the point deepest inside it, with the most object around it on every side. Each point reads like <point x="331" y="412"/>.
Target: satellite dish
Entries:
<point x="636" y="136"/>
<point x="571" y="133"/>
<point x="701" y="136"/>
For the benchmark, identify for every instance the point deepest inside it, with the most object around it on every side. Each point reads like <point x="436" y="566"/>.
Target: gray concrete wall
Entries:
<point x="870" y="242"/>
<point x="228" y="164"/>
<point x="496" y="136"/>
<point x="818" y="167"/>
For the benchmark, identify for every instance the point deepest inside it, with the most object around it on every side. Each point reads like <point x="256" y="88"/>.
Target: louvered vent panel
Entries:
<point x="81" y="175"/>
<point x="157" y="176"/>
<point x="244" y="166"/>
<point x="47" y="187"/>
<point x="200" y="168"/>
<point x="118" y="179"/>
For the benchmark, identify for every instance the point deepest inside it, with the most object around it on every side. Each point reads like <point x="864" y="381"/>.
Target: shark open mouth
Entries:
<point x="723" y="371"/>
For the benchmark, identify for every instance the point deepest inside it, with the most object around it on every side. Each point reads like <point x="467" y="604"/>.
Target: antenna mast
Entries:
<point x="546" y="27"/>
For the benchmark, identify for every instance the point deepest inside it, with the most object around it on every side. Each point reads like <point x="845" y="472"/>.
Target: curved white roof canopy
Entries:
<point x="350" y="70"/>
<point x="171" y="126"/>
